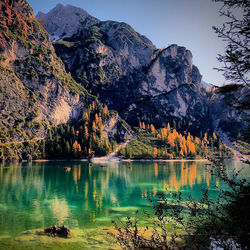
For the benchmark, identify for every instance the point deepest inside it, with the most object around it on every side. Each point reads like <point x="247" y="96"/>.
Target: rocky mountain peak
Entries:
<point x="170" y="69"/>
<point x="63" y="21"/>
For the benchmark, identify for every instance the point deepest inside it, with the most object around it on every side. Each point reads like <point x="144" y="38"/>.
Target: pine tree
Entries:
<point x="43" y="150"/>
<point x="67" y="148"/>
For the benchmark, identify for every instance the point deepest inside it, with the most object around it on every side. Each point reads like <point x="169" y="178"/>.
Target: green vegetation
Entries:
<point x="185" y="223"/>
<point x="66" y="43"/>
<point x="80" y="140"/>
<point x="242" y="146"/>
<point x="167" y="143"/>
<point x="66" y="141"/>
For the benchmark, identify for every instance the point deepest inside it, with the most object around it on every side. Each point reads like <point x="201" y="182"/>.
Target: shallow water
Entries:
<point x="88" y="197"/>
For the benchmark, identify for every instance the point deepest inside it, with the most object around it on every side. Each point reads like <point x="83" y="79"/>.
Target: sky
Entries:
<point x="184" y="22"/>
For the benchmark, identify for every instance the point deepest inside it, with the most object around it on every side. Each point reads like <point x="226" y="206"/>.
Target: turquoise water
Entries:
<point x="40" y="194"/>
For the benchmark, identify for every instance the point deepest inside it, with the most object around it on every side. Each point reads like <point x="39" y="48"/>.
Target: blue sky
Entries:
<point x="184" y="22"/>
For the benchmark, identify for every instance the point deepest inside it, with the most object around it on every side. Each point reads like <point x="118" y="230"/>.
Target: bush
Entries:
<point x="182" y="222"/>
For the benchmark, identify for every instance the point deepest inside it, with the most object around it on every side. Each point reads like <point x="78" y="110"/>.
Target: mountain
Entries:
<point x="60" y="22"/>
<point x="207" y="86"/>
<point x="35" y="88"/>
<point x="36" y="92"/>
<point x="170" y="90"/>
<point x="56" y="97"/>
<point x="230" y="112"/>
<point x="129" y="74"/>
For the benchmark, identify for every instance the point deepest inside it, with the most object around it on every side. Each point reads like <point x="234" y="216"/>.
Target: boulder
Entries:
<point x="58" y="231"/>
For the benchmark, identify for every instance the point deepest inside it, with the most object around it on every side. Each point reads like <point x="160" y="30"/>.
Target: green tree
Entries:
<point x="235" y="32"/>
<point x="67" y="148"/>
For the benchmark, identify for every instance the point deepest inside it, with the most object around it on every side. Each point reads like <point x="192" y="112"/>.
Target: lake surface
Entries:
<point x="88" y="197"/>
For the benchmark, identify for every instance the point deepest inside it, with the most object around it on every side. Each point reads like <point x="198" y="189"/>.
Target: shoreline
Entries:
<point x="99" y="160"/>
<point x="96" y="160"/>
<point x="165" y="160"/>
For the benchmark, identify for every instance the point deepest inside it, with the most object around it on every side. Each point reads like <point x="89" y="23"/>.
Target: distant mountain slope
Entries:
<point x="230" y="111"/>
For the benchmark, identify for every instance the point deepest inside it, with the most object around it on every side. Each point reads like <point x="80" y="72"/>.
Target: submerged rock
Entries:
<point x="59" y="231"/>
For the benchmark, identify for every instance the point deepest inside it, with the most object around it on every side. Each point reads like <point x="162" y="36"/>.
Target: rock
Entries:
<point x="35" y="89"/>
<point x="230" y="111"/>
<point x="64" y="21"/>
<point x="125" y="71"/>
<point x="59" y="231"/>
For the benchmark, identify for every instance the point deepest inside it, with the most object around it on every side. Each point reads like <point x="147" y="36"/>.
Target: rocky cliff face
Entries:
<point x="230" y="111"/>
<point x="127" y="72"/>
<point x="171" y="89"/>
<point x="65" y="21"/>
<point x="35" y="89"/>
<point x="107" y="59"/>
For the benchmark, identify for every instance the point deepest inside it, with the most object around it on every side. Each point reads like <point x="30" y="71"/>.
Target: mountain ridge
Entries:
<point x="126" y="83"/>
<point x="55" y="90"/>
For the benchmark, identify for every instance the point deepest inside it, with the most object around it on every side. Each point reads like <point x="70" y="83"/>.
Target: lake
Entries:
<point x="35" y="195"/>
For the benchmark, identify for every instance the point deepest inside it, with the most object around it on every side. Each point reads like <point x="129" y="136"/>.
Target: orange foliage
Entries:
<point x="77" y="147"/>
<point x="155" y="152"/>
<point x="86" y="133"/>
<point x="214" y="136"/>
<point x="105" y="110"/>
<point x="168" y="127"/>
<point x="163" y="133"/>
<point x="94" y="127"/>
<point x="9" y="17"/>
<point x="96" y="118"/>
<point x="191" y="147"/>
<point x="171" y="140"/>
<point x="205" y="139"/>
<point x="152" y="128"/>
<point x="181" y="153"/>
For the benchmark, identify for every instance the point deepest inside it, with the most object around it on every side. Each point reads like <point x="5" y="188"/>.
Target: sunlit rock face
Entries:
<point x="64" y="21"/>
<point x="126" y="71"/>
<point x="34" y="85"/>
<point x="171" y="89"/>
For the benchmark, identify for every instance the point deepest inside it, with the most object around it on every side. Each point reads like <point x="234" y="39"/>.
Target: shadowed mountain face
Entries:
<point x="108" y="59"/>
<point x="126" y="71"/>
